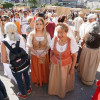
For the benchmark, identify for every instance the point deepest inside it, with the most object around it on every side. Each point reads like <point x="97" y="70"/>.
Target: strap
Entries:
<point x="17" y="44"/>
<point x="7" y="45"/>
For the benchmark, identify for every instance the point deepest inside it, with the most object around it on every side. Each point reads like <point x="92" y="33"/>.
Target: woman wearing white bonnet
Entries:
<point x="12" y="38"/>
<point x="63" y="59"/>
<point x="90" y="55"/>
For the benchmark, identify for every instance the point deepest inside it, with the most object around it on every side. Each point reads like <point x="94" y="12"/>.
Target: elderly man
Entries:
<point x="91" y="18"/>
<point x="77" y="23"/>
<point x="24" y="23"/>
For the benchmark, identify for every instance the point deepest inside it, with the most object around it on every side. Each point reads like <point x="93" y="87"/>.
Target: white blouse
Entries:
<point x="29" y="40"/>
<point x="74" y="47"/>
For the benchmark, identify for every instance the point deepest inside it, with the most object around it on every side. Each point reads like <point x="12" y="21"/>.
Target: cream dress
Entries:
<point x="60" y="81"/>
<point x="88" y="63"/>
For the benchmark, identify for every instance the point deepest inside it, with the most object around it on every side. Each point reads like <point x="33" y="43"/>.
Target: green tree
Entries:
<point x="56" y="4"/>
<point x="97" y="9"/>
<point x="43" y="5"/>
<point x="7" y="4"/>
<point x="33" y="2"/>
<point x="19" y="4"/>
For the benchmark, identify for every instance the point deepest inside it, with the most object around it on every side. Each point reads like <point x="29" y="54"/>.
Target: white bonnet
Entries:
<point x="10" y="27"/>
<point x="90" y="16"/>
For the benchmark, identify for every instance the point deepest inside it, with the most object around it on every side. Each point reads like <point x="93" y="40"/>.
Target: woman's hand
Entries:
<point x="38" y="56"/>
<point x="42" y="55"/>
<point x="71" y="71"/>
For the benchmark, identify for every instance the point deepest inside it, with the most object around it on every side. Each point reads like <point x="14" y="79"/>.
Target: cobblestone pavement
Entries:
<point x="80" y="92"/>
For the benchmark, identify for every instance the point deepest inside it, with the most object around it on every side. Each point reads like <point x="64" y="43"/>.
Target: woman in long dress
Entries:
<point x="38" y="43"/>
<point x="90" y="55"/>
<point x="63" y="59"/>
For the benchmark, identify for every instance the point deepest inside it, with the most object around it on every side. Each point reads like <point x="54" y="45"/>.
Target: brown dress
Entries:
<point x="88" y="63"/>
<point x="39" y="71"/>
<point x="60" y="81"/>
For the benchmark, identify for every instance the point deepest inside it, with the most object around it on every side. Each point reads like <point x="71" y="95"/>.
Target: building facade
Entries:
<point x="68" y="3"/>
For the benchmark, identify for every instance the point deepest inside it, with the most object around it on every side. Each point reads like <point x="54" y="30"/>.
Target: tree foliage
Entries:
<point x="19" y="4"/>
<point x="97" y="9"/>
<point x="56" y="4"/>
<point x="33" y="2"/>
<point x="43" y="5"/>
<point x="7" y="4"/>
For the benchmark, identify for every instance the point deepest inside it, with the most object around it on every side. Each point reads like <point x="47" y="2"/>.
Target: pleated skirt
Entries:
<point x="60" y="81"/>
<point x="39" y="72"/>
<point x="88" y="64"/>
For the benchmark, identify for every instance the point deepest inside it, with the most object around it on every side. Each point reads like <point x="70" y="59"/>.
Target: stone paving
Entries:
<point x="80" y="92"/>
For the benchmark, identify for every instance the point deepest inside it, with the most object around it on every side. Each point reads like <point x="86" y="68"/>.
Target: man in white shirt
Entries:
<point x="24" y="23"/>
<point x="91" y="18"/>
<point x="77" y="23"/>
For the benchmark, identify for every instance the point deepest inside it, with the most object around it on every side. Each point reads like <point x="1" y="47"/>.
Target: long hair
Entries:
<point x="44" y="28"/>
<point x="45" y="33"/>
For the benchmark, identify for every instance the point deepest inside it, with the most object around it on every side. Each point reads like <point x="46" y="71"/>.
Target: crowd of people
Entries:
<point x="54" y="49"/>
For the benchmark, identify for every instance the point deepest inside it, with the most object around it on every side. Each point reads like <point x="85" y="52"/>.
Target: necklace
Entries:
<point x="61" y="48"/>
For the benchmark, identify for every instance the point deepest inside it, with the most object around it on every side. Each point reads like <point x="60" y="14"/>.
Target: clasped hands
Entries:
<point x="37" y="54"/>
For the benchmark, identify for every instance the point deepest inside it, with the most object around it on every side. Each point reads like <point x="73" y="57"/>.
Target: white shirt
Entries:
<point x="74" y="47"/>
<point x="77" y="23"/>
<point x="16" y="19"/>
<point x="55" y="20"/>
<point x="29" y="41"/>
<point x="24" y="23"/>
<point x="82" y="30"/>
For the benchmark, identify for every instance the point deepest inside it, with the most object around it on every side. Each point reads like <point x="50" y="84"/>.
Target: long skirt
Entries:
<point x="60" y="81"/>
<point x="39" y="72"/>
<point x="88" y="64"/>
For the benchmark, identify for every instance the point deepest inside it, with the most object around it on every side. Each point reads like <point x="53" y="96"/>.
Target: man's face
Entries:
<point x="92" y="20"/>
<point x="25" y="12"/>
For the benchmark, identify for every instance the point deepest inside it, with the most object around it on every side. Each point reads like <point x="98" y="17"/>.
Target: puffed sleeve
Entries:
<point x="29" y="40"/>
<point x="49" y="39"/>
<point x="52" y="43"/>
<point x="74" y="46"/>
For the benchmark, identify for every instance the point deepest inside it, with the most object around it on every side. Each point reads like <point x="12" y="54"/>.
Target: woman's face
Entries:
<point x="39" y="25"/>
<point x="16" y="16"/>
<point x="32" y="23"/>
<point x="3" y="20"/>
<point x="61" y="33"/>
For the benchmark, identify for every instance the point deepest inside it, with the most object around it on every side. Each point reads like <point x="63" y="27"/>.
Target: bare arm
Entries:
<point x="74" y="58"/>
<point x="3" y="54"/>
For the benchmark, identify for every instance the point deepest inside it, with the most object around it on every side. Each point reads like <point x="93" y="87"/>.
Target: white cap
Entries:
<point x="91" y="16"/>
<point x="49" y="15"/>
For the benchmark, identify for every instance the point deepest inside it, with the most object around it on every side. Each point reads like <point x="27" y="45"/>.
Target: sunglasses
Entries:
<point x="3" y="20"/>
